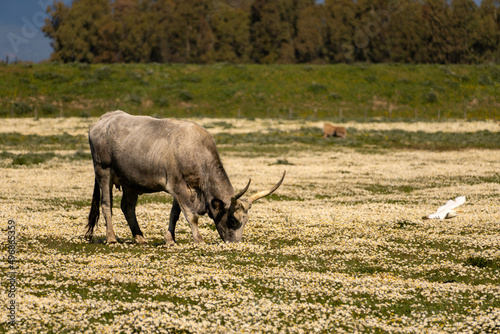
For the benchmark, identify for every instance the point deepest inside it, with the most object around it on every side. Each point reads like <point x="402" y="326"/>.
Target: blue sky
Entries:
<point x="20" y="35"/>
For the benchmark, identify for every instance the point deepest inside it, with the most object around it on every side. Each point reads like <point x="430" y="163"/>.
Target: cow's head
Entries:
<point x="231" y="220"/>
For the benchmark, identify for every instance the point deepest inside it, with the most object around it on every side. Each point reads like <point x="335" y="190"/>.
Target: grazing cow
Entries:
<point x="142" y="154"/>
<point x="330" y="130"/>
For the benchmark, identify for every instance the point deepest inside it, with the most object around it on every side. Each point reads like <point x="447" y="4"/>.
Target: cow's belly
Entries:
<point x="139" y="178"/>
<point x="139" y="164"/>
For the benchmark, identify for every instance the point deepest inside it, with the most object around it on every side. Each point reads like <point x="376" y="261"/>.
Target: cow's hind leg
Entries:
<point x="104" y="179"/>
<point x="174" y="217"/>
<point x="129" y="201"/>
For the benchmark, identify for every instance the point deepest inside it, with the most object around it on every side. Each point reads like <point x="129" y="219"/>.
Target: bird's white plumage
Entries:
<point x="446" y="211"/>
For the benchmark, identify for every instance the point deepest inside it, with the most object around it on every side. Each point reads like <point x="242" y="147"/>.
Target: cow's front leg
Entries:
<point x="184" y="197"/>
<point x="193" y="222"/>
<point x="174" y="217"/>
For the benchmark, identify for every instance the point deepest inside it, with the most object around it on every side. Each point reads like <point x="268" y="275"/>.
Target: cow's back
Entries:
<point x="147" y="153"/>
<point x="118" y="133"/>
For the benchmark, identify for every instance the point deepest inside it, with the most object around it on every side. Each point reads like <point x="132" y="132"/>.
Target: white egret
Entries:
<point x="447" y="211"/>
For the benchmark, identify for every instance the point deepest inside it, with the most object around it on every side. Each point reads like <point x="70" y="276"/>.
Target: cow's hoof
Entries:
<point x="169" y="239"/>
<point x="139" y="239"/>
<point x="169" y="243"/>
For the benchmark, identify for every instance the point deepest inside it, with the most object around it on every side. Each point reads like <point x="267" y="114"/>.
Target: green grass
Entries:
<point x="63" y="141"/>
<point x="359" y="91"/>
<point x="390" y="139"/>
<point x="481" y="262"/>
<point x="28" y="159"/>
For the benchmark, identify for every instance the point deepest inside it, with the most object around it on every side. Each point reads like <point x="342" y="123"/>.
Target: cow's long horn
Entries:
<point x="238" y="195"/>
<point x="265" y="193"/>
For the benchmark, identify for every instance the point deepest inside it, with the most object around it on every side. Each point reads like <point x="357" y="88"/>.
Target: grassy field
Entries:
<point x="340" y="247"/>
<point x="340" y="92"/>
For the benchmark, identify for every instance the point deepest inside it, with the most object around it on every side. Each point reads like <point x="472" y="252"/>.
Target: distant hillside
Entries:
<point x="358" y="91"/>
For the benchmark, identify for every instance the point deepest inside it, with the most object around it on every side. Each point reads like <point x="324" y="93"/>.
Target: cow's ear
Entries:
<point x="217" y="206"/>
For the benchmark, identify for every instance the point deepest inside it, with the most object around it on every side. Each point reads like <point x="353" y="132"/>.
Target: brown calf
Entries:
<point x="330" y="130"/>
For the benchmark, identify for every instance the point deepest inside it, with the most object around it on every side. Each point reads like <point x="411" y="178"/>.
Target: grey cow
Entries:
<point x="142" y="154"/>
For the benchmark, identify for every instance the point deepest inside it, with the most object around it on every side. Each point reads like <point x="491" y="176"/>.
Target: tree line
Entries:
<point x="279" y="31"/>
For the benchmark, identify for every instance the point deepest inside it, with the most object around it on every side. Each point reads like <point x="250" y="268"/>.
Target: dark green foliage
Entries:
<point x="63" y="141"/>
<point x="135" y="98"/>
<point x="162" y="102"/>
<point x="317" y="88"/>
<point x="481" y="262"/>
<point x="191" y="78"/>
<point x="484" y="80"/>
<point x="185" y="95"/>
<point x="48" y="109"/>
<point x="388" y="189"/>
<point x="334" y="96"/>
<point x="430" y="97"/>
<point x="28" y="159"/>
<point x="102" y="73"/>
<point x="405" y="224"/>
<point x="259" y="31"/>
<point x="370" y="78"/>
<point x="222" y="124"/>
<point x="50" y="76"/>
<point x="282" y="162"/>
<point x="32" y="158"/>
<point x="21" y="108"/>
<point x="81" y="155"/>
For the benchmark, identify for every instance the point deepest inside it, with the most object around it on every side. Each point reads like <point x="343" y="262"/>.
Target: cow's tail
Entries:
<point x="94" y="211"/>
